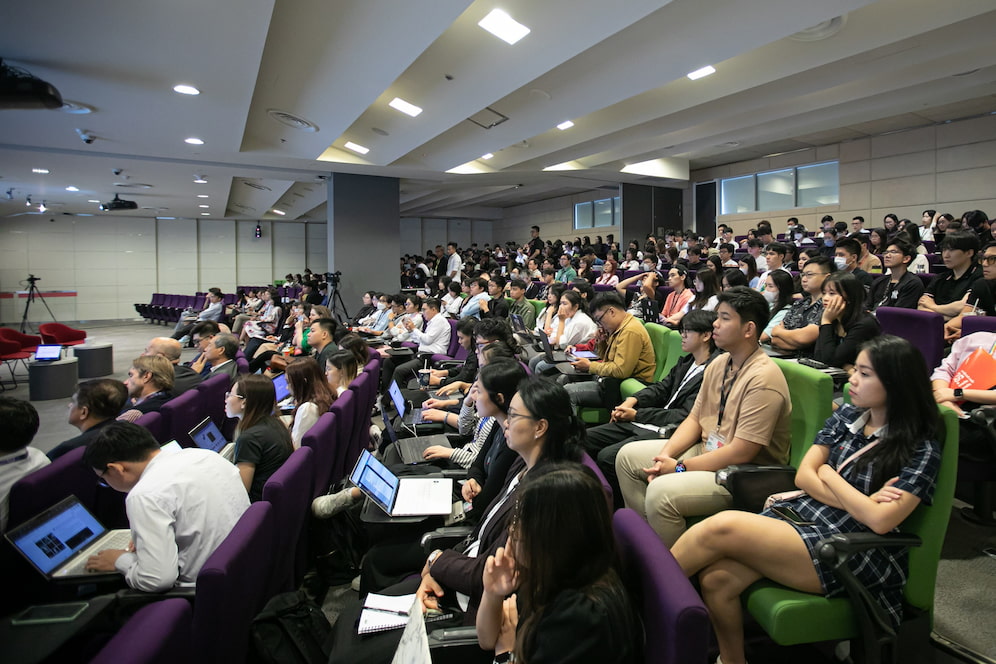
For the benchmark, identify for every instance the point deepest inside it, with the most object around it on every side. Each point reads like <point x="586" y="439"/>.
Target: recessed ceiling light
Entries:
<point x="566" y="124"/>
<point x="503" y="26"/>
<point x="487" y="156"/>
<point x="355" y="147"/>
<point x="200" y="179"/>
<point x="702" y="73"/>
<point x="72" y="188"/>
<point x="400" y="104"/>
<point x="193" y="140"/>
<point x="280" y="212"/>
<point x="205" y="214"/>
<point x="186" y="89"/>
<point x="93" y="200"/>
<point x="40" y="171"/>
<point x="203" y="206"/>
<point x="203" y="196"/>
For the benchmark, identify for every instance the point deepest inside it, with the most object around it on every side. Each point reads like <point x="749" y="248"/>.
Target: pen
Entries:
<point x="391" y="611"/>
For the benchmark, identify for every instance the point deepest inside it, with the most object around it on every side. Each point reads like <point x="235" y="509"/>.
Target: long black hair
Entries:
<point x="786" y="287"/>
<point x="853" y="292"/>
<point x="500" y="378"/>
<point x="910" y="409"/>
<point x="549" y="401"/>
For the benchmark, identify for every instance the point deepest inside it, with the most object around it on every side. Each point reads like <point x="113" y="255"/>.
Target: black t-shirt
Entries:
<point x="947" y="289"/>
<point x="267" y="445"/>
<point x="536" y="246"/>
<point x="984" y="295"/>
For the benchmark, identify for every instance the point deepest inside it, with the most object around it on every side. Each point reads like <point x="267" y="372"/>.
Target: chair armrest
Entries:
<point x="455" y="473"/>
<point x="750" y="485"/>
<point x="453" y="636"/>
<point x="836" y="549"/>
<point x="129" y="600"/>
<point x="447" y="364"/>
<point x="442" y="538"/>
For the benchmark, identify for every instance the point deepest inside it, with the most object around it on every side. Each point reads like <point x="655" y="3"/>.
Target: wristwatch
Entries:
<point x="432" y="557"/>
<point x="679" y="467"/>
<point x="959" y="393"/>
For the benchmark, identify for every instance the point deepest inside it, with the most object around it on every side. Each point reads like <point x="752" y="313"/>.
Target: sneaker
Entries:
<point x="354" y="585"/>
<point x="375" y="437"/>
<point x="184" y="340"/>
<point x="325" y="507"/>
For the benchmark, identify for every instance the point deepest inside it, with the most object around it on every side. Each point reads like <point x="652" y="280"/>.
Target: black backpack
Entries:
<point x="291" y="629"/>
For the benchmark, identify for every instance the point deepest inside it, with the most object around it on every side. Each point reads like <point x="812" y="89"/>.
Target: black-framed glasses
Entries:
<point x="101" y="481"/>
<point x="598" y="319"/>
<point x="512" y="415"/>
<point x="989" y="260"/>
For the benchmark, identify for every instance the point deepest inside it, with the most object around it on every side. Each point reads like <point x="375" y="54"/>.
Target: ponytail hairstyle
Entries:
<point x="549" y="401"/>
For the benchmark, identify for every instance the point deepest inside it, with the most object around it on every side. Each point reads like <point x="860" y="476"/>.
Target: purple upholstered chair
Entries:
<point x="972" y="324"/>
<point x="156" y="425"/>
<point x="454" y="351"/>
<point x="674" y="617"/>
<point x="182" y="414"/>
<point x="363" y="387"/>
<point x="232" y="587"/>
<point x="212" y="393"/>
<point x="924" y="329"/>
<point x="157" y="634"/>
<point x="289" y="491"/>
<point x="324" y="442"/>
<point x="242" y="362"/>
<point x="587" y="460"/>
<point x="345" y="454"/>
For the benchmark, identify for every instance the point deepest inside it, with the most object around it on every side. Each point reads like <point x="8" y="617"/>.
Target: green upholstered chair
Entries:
<point x="791" y="617"/>
<point x="674" y="352"/>
<point x="659" y="337"/>
<point x="539" y="306"/>
<point x="811" y="392"/>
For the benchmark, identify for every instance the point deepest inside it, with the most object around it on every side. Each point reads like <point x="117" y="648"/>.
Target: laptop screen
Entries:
<point x="375" y="480"/>
<point x="52" y="537"/>
<point x="397" y="398"/>
<point x="517" y="323"/>
<point x="48" y="353"/>
<point x="207" y="437"/>
<point x="280" y="385"/>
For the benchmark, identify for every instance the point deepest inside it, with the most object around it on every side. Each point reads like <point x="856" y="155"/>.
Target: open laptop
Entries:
<point x="285" y="402"/>
<point x="401" y="496"/>
<point x="48" y="353"/>
<point x="412" y="418"/>
<point x="59" y="541"/>
<point x="412" y="449"/>
<point x="519" y="328"/>
<point x="207" y="437"/>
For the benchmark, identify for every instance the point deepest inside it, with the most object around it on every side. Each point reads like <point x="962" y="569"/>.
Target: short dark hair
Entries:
<point x="749" y="304"/>
<point x="832" y="231"/>
<point x="534" y="228"/>
<point x="902" y="245"/>
<point x="228" y="343"/>
<point x="467" y="326"/>
<point x="849" y="245"/>
<point x="104" y="397"/>
<point x="432" y="303"/>
<point x="206" y="328"/>
<point x="728" y="247"/>
<point x="824" y="262"/>
<point x="964" y="240"/>
<point x="20" y="421"/>
<point x="499" y="281"/>
<point x="778" y="248"/>
<point x="451" y="244"/>
<point x="605" y="300"/>
<point x="517" y="283"/>
<point x="495" y="329"/>
<point x="549" y="272"/>
<point x="858" y="217"/>
<point x="117" y="442"/>
<point x="698" y="320"/>
<point x="327" y="324"/>
<point x="826" y="217"/>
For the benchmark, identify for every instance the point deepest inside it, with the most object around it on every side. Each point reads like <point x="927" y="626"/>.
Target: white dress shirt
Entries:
<point x="436" y="336"/>
<point x="13" y="467"/>
<point x="183" y="506"/>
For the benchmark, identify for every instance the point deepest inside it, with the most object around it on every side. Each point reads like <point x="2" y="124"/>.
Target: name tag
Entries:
<point x="714" y="442"/>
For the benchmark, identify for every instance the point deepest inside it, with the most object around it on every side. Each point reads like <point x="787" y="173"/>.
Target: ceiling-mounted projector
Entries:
<point x="19" y="89"/>
<point x="118" y="204"/>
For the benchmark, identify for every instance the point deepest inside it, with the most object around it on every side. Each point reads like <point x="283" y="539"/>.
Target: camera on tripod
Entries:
<point x="333" y="278"/>
<point x="32" y="279"/>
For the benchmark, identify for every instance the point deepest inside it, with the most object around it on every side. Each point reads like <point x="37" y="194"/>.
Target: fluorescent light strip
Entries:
<point x="356" y="147"/>
<point x="186" y="89"/>
<point x="400" y="104"/>
<point x="193" y="140"/>
<point x="702" y="73"/>
<point x="280" y="212"/>
<point x="503" y="26"/>
<point x="72" y="188"/>
<point x="487" y="156"/>
<point x="40" y="171"/>
<point x="566" y="124"/>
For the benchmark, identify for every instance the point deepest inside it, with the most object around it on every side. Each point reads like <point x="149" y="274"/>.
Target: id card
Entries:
<point x="714" y="442"/>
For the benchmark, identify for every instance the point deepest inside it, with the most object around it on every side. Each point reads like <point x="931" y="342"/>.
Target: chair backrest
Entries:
<point x="930" y="522"/>
<point x="590" y="463"/>
<point x="289" y="491"/>
<point x="212" y="392"/>
<point x="345" y="414"/>
<point x="324" y="442"/>
<point x="157" y="634"/>
<point x="232" y="587"/>
<point x="674" y="351"/>
<point x="674" y="618"/>
<point x="972" y="324"/>
<point x="811" y="392"/>
<point x="155" y="423"/>
<point x="241" y="362"/>
<point x="182" y="414"/>
<point x="924" y="329"/>
<point x="363" y="387"/>
<point x="658" y="337"/>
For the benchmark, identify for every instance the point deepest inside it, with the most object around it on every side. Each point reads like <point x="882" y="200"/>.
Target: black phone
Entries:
<point x="791" y="515"/>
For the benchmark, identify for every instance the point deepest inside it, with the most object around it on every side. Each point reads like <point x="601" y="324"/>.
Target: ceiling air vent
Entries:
<point x="291" y="120"/>
<point x="822" y="30"/>
<point x="489" y="118"/>
<point x="133" y="185"/>
<point x="256" y="185"/>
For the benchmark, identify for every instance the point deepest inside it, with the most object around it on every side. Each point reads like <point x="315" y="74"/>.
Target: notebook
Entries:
<point x="385" y="612"/>
<point x="405" y="496"/>
<point x="48" y="353"/>
<point x="412" y="449"/>
<point x="59" y="541"/>
<point x="207" y="437"/>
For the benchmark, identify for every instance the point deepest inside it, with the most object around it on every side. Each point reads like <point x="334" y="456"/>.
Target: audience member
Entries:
<point x="203" y="333"/>
<point x="434" y="339"/>
<point x="94" y="405"/>
<point x="321" y="338"/>
<point x="181" y="506"/>
<point x="741" y="415"/>
<point x="312" y="396"/>
<point x="19" y="420"/>
<point x="214" y="311"/>
<point x="800" y="327"/>
<point x="184" y="378"/>
<point x="948" y="293"/>
<point x="220" y="356"/>
<point x="779" y="291"/>
<point x="262" y="442"/>
<point x="520" y="305"/>
<point x="847" y="252"/>
<point x="478" y="294"/>
<point x="899" y="288"/>
<point x="149" y="385"/>
<point x="981" y="300"/>
<point x="845" y="323"/>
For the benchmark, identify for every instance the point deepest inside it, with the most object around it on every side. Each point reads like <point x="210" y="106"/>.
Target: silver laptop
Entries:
<point x="48" y="353"/>
<point x="59" y="541"/>
<point x="408" y="418"/>
<point x="412" y="450"/>
<point x="401" y="496"/>
<point x="207" y="437"/>
<point x="285" y="402"/>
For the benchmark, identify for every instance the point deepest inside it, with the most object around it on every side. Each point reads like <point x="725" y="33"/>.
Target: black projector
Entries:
<point x="20" y="90"/>
<point x="118" y="204"/>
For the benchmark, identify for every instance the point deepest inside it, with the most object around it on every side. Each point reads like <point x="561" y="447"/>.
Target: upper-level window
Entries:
<point x="783" y="189"/>
<point x="598" y="214"/>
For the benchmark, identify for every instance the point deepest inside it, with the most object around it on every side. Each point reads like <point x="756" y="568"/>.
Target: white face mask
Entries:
<point x="770" y="295"/>
<point x="840" y="262"/>
<point x="381" y="306"/>
<point x="647" y="267"/>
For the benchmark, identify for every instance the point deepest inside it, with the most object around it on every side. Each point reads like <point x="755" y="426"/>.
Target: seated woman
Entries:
<point x="707" y="288"/>
<point x="452" y="299"/>
<point x="312" y="396"/>
<point x="648" y="281"/>
<point x="677" y="302"/>
<point x="546" y="321"/>
<point x="846" y="323"/>
<point x="562" y="608"/>
<point x="779" y="288"/>
<point x="893" y="426"/>
<point x="264" y="323"/>
<point x="573" y="327"/>
<point x="358" y="346"/>
<point x="262" y="442"/>
<point x="748" y="265"/>
<point x="341" y="370"/>
<point x="608" y="277"/>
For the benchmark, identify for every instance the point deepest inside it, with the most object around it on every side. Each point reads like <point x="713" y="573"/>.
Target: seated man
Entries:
<point x="184" y="378"/>
<point x="181" y="506"/>
<point x="947" y="293"/>
<point x="799" y="329"/>
<point x="899" y="288"/>
<point x="220" y="355"/>
<point x="660" y="407"/>
<point x="520" y="305"/>
<point x="202" y="334"/>
<point x="17" y="457"/>
<point x="566" y="274"/>
<point x="847" y="253"/>
<point x="741" y="415"/>
<point x="149" y="385"/>
<point x="321" y="338"/>
<point x="95" y="404"/>
<point x="981" y="299"/>
<point x="495" y="306"/>
<point x="213" y="311"/>
<point x="624" y="351"/>
<point x="435" y="339"/>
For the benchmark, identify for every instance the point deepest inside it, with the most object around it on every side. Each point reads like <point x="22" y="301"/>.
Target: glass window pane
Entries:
<point x="582" y="215"/>
<point x="776" y="190"/>
<point x="819" y="184"/>
<point x="603" y="212"/>
<point x="617" y="210"/>
<point x="738" y="195"/>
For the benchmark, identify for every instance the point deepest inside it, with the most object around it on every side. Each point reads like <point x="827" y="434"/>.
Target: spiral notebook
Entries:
<point x="382" y="613"/>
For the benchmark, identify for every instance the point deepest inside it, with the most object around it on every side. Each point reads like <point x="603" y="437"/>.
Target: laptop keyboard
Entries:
<point x="118" y="540"/>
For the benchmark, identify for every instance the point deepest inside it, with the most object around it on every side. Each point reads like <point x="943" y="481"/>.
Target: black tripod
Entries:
<point x="32" y="293"/>
<point x="335" y="303"/>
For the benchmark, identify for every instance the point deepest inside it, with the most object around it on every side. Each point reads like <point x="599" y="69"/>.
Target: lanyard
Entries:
<point x="15" y="459"/>
<point x="724" y="389"/>
<point x="695" y="370"/>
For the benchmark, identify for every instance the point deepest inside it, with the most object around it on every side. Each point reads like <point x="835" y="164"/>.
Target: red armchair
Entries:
<point x="28" y="342"/>
<point x="10" y="353"/>
<point x="57" y="333"/>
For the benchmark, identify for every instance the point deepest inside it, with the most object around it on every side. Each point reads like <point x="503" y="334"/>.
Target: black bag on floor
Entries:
<point x="338" y="545"/>
<point x="291" y="629"/>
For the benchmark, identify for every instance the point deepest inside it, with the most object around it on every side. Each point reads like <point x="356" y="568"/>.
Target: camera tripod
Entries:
<point x="335" y="303"/>
<point x="32" y="293"/>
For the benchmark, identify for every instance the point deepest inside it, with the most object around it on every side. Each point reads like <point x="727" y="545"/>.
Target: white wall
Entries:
<point x="419" y="235"/>
<point x="554" y="216"/>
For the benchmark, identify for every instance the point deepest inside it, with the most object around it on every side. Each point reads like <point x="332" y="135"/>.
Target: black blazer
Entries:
<point x="650" y="401"/>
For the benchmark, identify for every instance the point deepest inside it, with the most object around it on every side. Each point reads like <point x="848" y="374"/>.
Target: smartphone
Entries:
<point x="48" y="614"/>
<point x="791" y="515"/>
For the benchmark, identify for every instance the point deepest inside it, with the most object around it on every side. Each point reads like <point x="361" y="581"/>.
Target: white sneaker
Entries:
<point x="325" y="507"/>
<point x="375" y="437"/>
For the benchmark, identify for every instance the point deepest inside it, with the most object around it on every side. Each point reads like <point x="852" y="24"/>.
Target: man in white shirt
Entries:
<point x="453" y="262"/>
<point x="214" y="311"/>
<point x="181" y="506"/>
<point x="435" y="338"/>
<point x="17" y="458"/>
<point x="775" y="256"/>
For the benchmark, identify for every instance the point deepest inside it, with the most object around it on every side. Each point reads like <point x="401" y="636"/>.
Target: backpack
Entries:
<point x="338" y="545"/>
<point x="291" y="629"/>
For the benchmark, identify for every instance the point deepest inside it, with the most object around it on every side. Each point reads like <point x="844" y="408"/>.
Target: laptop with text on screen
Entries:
<point x="48" y="353"/>
<point x="401" y="496"/>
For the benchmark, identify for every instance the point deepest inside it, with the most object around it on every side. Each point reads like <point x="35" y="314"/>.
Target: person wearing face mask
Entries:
<point x="829" y="242"/>
<point x="847" y="253"/>
<point x="778" y="293"/>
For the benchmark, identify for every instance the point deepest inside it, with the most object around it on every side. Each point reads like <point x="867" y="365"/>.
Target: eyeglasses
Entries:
<point x="512" y="415"/>
<point x="230" y="394"/>
<point x="100" y="479"/>
<point x="685" y="332"/>
<point x="810" y="275"/>
<point x="598" y="319"/>
<point x="989" y="260"/>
